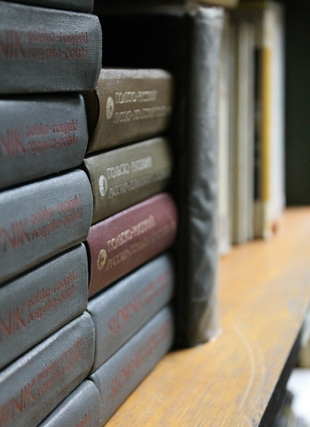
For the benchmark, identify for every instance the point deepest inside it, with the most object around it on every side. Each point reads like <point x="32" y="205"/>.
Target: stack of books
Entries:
<point x="134" y="220"/>
<point x="48" y="56"/>
<point x="251" y="163"/>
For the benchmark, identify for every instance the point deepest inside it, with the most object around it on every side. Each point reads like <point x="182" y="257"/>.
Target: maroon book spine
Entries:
<point x="129" y="238"/>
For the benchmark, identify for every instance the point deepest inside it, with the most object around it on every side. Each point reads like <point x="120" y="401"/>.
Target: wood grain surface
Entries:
<point x="264" y="294"/>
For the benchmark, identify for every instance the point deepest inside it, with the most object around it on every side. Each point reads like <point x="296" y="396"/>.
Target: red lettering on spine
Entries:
<point x="14" y="322"/>
<point x="17" y="238"/>
<point x="11" y="143"/>
<point x="10" y="44"/>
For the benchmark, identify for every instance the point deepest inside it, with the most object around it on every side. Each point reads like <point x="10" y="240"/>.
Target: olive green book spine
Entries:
<point x="128" y="105"/>
<point x="125" y="176"/>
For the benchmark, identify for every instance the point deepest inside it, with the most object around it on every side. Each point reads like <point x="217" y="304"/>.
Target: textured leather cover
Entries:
<point x="78" y="5"/>
<point x="137" y="358"/>
<point x="186" y="42"/>
<point x="127" y="175"/>
<point x="48" y="50"/>
<point x="80" y="409"/>
<point x="41" y="219"/>
<point x="40" y="135"/>
<point x="36" y="383"/>
<point x="129" y="105"/>
<point x="126" y="306"/>
<point x="129" y="238"/>
<point x="42" y="301"/>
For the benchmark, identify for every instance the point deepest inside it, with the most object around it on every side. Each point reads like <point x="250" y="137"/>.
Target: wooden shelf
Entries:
<point x="264" y="294"/>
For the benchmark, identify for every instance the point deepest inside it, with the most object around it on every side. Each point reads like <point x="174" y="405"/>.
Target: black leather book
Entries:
<point x="40" y="135"/>
<point x="41" y="219"/>
<point x="186" y="42"/>
<point x="47" y="50"/>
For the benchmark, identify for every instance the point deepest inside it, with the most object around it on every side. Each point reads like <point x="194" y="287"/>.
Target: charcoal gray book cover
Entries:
<point x="128" y="304"/>
<point x="41" y="301"/>
<point x="41" y="219"/>
<point x="121" y="374"/>
<point x="80" y="409"/>
<point x="48" y="50"/>
<point x="36" y="383"/>
<point x="40" y="135"/>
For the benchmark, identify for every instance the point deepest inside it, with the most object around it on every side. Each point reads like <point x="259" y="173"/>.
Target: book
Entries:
<point x="127" y="175"/>
<point x="242" y="151"/>
<point x="129" y="238"/>
<point x="33" y="385"/>
<point x="126" y="306"/>
<point x="185" y="40"/>
<point x="41" y="301"/>
<point x="77" y="5"/>
<point x="121" y="374"/>
<point x="269" y="194"/>
<point x="48" y="50"/>
<point x="80" y="409"/>
<point x="41" y="219"/>
<point x="128" y="105"/>
<point x="40" y="135"/>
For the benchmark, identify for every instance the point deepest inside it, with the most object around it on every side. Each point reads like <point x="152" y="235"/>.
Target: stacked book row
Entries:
<point x="77" y="214"/>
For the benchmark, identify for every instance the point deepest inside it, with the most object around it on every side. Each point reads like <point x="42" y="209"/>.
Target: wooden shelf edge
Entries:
<point x="264" y="295"/>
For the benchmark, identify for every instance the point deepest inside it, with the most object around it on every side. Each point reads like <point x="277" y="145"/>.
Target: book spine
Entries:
<point x="126" y="240"/>
<point x="80" y="409"/>
<point x="121" y="374"/>
<point x="40" y="135"/>
<point x="48" y="50"/>
<point x="125" y="176"/>
<point x="129" y="105"/>
<point x="41" y="219"/>
<point x="37" y="382"/>
<point x="125" y="307"/>
<point x="77" y="5"/>
<point x="40" y="302"/>
<point x="196" y="248"/>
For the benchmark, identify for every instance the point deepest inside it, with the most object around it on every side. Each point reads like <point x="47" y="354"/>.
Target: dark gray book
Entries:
<point x="48" y="50"/>
<point x="78" y="5"/>
<point x="186" y="42"/>
<point x="42" y="301"/>
<point x="128" y="105"/>
<point x="80" y="409"/>
<point x="125" y="307"/>
<point x="121" y="374"/>
<point x="40" y="135"/>
<point x="41" y="219"/>
<point x="36" y="383"/>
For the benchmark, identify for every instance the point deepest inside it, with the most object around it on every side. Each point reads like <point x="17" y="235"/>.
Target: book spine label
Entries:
<point x="126" y="240"/>
<point x="37" y="382"/>
<point x="48" y="50"/>
<point x="121" y="374"/>
<point x="77" y="5"/>
<point x="39" y="303"/>
<point x="129" y="105"/>
<point x="41" y="219"/>
<point x="125" y="176"/>
<point x="40" y="136"/>
<point x="80" y="409"/>
<point x="126" y="306"/>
